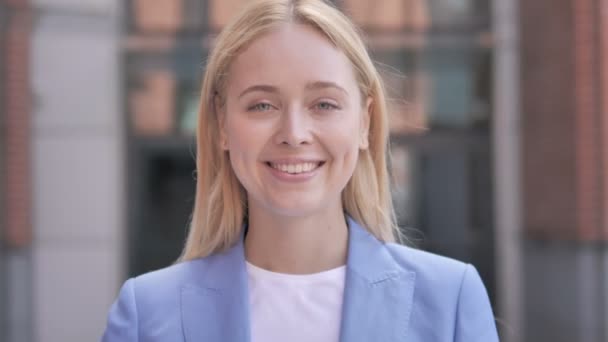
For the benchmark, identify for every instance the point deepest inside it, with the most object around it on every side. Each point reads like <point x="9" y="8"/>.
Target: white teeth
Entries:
<point x="295" y="168"/>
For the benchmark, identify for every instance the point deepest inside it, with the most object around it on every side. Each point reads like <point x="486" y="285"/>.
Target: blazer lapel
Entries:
<point x="378" y="292"/>
<point x="377" y="303"/>
<point x="216" y="306"/>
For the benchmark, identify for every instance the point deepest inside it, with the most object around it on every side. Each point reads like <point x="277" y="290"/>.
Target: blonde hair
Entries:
<point x="220" y="204"/>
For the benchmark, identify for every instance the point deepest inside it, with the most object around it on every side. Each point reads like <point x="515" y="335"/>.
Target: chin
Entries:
<point x="296" y="203"/>
<point x="287" y="208"/>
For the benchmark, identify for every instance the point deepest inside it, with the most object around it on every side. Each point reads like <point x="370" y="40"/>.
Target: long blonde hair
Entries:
<point x="221" y="205"/>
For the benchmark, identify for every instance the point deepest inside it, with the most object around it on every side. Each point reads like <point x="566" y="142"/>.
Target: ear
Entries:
<point x="220" y="112"/>
<point x="366" y="113"/>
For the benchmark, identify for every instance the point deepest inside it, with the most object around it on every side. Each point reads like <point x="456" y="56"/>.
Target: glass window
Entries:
<point x="458" y="97"/>
<point x="166" y="17"/>
<point x="162" y="89"/>
<point x="162" y="197"/>
<point x="389" y="14"/>
<point x="403" y="189"/>
<point x="152" y="104"/>
<point x="396" y="66"/>
<point x="157" y="15"/>
<point x="418" y="15"/>
<point x="446" y="13"/>
<point x="435" y="87"/>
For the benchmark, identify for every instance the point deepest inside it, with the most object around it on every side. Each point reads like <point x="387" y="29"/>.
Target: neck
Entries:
<point x="297" y="245"/>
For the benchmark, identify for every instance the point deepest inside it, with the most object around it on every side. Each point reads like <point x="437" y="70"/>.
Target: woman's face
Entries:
<point x="293" y="122"/>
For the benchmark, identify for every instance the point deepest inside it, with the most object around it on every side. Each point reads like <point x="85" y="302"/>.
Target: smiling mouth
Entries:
<point x="295" y="169"/>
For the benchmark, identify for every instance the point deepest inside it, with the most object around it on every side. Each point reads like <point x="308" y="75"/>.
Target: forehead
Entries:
<point x="291" y="54"/>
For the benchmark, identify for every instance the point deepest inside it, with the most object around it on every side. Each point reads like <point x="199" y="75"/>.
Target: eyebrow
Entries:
<point x="323" y="85"/>
<point x="309" y="86"/>
<point x="259" y="87"/>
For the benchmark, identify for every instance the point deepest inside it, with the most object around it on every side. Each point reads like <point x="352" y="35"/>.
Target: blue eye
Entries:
<point x="260" y="107"/>
<point x="327" y="106"/>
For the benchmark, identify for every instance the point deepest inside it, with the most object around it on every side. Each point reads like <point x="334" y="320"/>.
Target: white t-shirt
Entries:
<point x="294" y="308"/>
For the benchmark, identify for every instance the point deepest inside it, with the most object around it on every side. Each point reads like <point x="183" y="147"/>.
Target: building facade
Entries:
<point x="499" y="140"/>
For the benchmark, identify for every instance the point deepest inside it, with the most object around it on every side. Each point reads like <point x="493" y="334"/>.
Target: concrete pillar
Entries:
<point x="507" y="178"/>
<point x="78" y="158"/>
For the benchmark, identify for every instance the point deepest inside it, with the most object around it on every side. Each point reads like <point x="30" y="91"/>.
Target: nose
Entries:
<point x="294" y="128"/>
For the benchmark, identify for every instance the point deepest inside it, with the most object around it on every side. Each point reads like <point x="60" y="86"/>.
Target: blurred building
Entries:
<point x="564" y="130"/>
<point x="499" y="139"/>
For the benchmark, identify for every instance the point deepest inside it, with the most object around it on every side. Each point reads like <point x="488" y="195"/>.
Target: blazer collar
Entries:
<point x="377" y="303"/>
<point x="378" y="292"/>
<point x="215" y="306"/>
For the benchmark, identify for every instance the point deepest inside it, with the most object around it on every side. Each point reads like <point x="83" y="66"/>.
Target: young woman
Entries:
<point x="293" y="231"/>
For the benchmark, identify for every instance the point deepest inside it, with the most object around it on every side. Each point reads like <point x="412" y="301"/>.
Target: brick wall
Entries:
<point x="548" y="110"/>
<point x="563" y="137"/>
<point x="16" y="109"/>
<point x="2" y="133"/>
<point x="603" y="74"/>
<point x="587" y="91"/>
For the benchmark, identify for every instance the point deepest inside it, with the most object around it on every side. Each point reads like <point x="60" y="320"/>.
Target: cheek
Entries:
<point x="343" y="146"/>
<point x="242" y="166"/>
<point x="240" y="136"/>
<point x="243" y="147"/>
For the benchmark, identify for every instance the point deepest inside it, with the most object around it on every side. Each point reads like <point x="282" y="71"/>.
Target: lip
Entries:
<point x="294" y="178"/>
<point x="295" y="160"/>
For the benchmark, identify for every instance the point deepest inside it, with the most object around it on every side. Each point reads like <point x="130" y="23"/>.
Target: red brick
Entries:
<point x="17" y="127"/>
<point x="565" y="132"/>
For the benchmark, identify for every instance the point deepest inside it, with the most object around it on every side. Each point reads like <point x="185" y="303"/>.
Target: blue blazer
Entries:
<point x="392" y="293"/>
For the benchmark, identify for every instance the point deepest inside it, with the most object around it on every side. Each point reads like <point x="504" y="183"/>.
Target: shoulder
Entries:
<point x="165" y="286"/>
<point x="448" y="291"/>
<point x="150" y="300"/>
<point x="169" y="279"/>
<point x="430" y="268"/>
<point x="161" y="288"/>
<point x="436" y="273"/>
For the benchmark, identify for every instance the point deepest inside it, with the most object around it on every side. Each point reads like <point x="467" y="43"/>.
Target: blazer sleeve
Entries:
<point x="474" y="317"/>
<point x="122" y="318"/>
